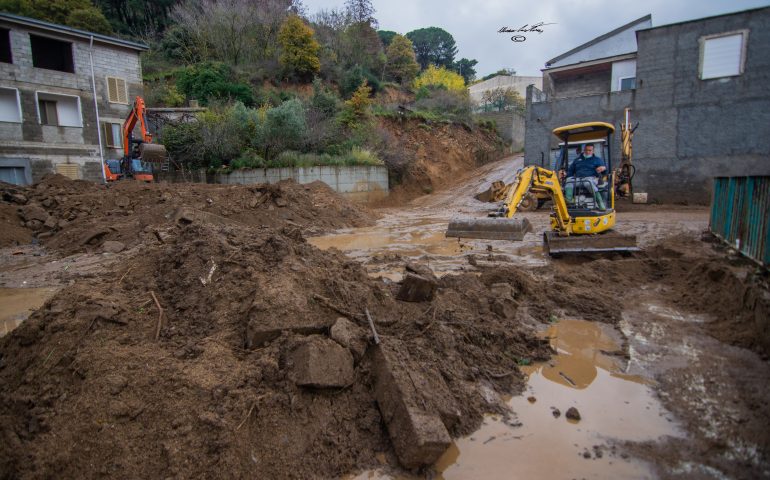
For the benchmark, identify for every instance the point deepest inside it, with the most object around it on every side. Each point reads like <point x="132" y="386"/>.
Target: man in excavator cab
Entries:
<point x="584" y="176"/>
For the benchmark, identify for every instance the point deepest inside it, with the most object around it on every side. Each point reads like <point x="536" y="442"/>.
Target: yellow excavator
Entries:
<point x="583" y="213"/>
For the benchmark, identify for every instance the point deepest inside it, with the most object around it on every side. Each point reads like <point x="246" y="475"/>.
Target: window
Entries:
<point x="722" y="55"/>
<point x="5" y="46"/>
<point x="58" y="110"/>
<point x="628" y="83"/>
<point x="10" y="107"/>
<point x="70" y="170"/>
<point x="113" y="135"/>
<point x="116" y="90"/>
<point x="48" y="115"/>
<point x="51" y="54"/>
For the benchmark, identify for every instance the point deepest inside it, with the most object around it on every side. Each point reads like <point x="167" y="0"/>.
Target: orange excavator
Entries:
<point x="138" y="153"/>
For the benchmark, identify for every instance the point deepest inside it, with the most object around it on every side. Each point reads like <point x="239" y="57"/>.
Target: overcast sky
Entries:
<point x="474" y="24"/>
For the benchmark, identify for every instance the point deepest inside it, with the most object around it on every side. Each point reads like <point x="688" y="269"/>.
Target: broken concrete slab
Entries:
<point x="416" y="288"/>
<point x="259" y="333"/>
<point x="350" y="336"/>
<point x="416" y="429"/>
<point x="322" y="363"/>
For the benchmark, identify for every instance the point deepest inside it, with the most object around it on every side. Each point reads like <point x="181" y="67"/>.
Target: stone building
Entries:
<point x="699" y="90"/>
<point x="48" y="117"/>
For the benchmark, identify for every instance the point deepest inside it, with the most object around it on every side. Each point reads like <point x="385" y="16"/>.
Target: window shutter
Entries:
<point x="116" y="90"/>
<point x="112" y="90"/>
<point x="722" y="56"/>
<point x="107" y="127"/>
<point x="121" y="86"/>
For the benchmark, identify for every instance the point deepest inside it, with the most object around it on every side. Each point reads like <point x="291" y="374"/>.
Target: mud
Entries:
<point x="100" y="382"/>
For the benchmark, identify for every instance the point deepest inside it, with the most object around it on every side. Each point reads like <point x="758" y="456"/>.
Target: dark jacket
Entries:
<point x="585" y="167"/>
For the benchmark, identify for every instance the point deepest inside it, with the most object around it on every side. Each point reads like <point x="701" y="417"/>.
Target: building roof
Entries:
<point x="751" y="10"/>
<point x="628" y="26"/>
<point x="53" y="27"/>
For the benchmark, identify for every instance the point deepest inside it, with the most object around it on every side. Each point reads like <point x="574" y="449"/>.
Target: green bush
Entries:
<point x="248" y="159"/>
<point x="323" y="100"/>
<point x="354" y="157"/>
<point x="285" y="127"/>
<point x="213" y="81"/>
<point x="355" y="77"/>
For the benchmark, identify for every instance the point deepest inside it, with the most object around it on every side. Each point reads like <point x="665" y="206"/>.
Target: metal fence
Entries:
<point x="740" y="215"/>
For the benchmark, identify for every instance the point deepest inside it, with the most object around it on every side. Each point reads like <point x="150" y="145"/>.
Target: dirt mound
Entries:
<point x="89" y="391"/>
<point x="424" y="156"/>
<point x="73" y="216"/>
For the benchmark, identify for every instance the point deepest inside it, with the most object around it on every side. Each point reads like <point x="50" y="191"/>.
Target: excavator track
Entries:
<point x="554" y="244"/>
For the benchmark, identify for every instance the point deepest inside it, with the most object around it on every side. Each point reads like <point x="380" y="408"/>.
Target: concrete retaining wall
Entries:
<point x="361" y="184"/>
<point x="510" y="126"/>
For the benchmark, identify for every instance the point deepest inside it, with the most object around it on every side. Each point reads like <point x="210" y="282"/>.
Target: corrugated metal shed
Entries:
<point x="740" y="215"/>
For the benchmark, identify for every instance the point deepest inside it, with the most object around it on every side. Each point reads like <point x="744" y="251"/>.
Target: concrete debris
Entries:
<point x="416" y="288"/>
<point x="322" y="363"/>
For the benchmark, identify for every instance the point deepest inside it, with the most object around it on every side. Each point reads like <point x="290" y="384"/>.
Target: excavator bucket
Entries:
<point x="490" y="228"/>
<point x="554" y="244"/>
<point x="152" y="152"/>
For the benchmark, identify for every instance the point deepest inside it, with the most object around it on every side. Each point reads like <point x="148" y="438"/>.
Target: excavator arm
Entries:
<point x="137" y="115"/>
<point x="538" y="180"/>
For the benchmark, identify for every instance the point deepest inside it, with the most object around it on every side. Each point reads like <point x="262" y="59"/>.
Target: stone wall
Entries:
<point x="690" y="130"/>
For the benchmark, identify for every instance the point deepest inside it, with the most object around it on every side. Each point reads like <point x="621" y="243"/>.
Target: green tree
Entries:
<point x="386" y="36"/>
<point x="357" y="76"/>
<point x="137" y="17"/>
<point x="439" y="77"/>
<point x="89" y="19"/>
<point x="357" y="107"/>
<point x="402" y="66"/>
<point x="433" y="46"/>
<point x="299" y="49"/>
<point x="212" y="80"/>
<point x="502" y="99"/>
<point x="82" y="13"/>
<point x="465" y="68"/>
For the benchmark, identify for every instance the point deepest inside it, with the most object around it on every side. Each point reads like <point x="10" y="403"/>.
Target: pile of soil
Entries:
<point x="424" y="156"/>
<point x="76" y="216"/>
<point x="89" y="391"/>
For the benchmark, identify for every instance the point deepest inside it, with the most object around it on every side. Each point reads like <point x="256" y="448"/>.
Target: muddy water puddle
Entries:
<point x="384" y="248"/>
<point x="535" y="442"/>
<point x="16" y="304"/>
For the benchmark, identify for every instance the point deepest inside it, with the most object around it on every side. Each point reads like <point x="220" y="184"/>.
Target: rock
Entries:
<point x="113" y="247"/>
<point x="94" y="236"/>
<point x="417" y="432"/>
<point x="50" y="223"/>
<point x="573" y="414"/>
<point x="416" y="288"/>
<point x="555" y="412"/>
<point x="531" y="399"/>
<point x="280" y="202"/>
<point x="322" y="363"/>
<point x="350" y="336"/>
<point x="33" y="212"/>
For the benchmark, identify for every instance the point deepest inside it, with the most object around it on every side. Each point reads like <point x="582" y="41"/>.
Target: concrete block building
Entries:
<point x="48" y="117"/>
<point x="699" y="90"/>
